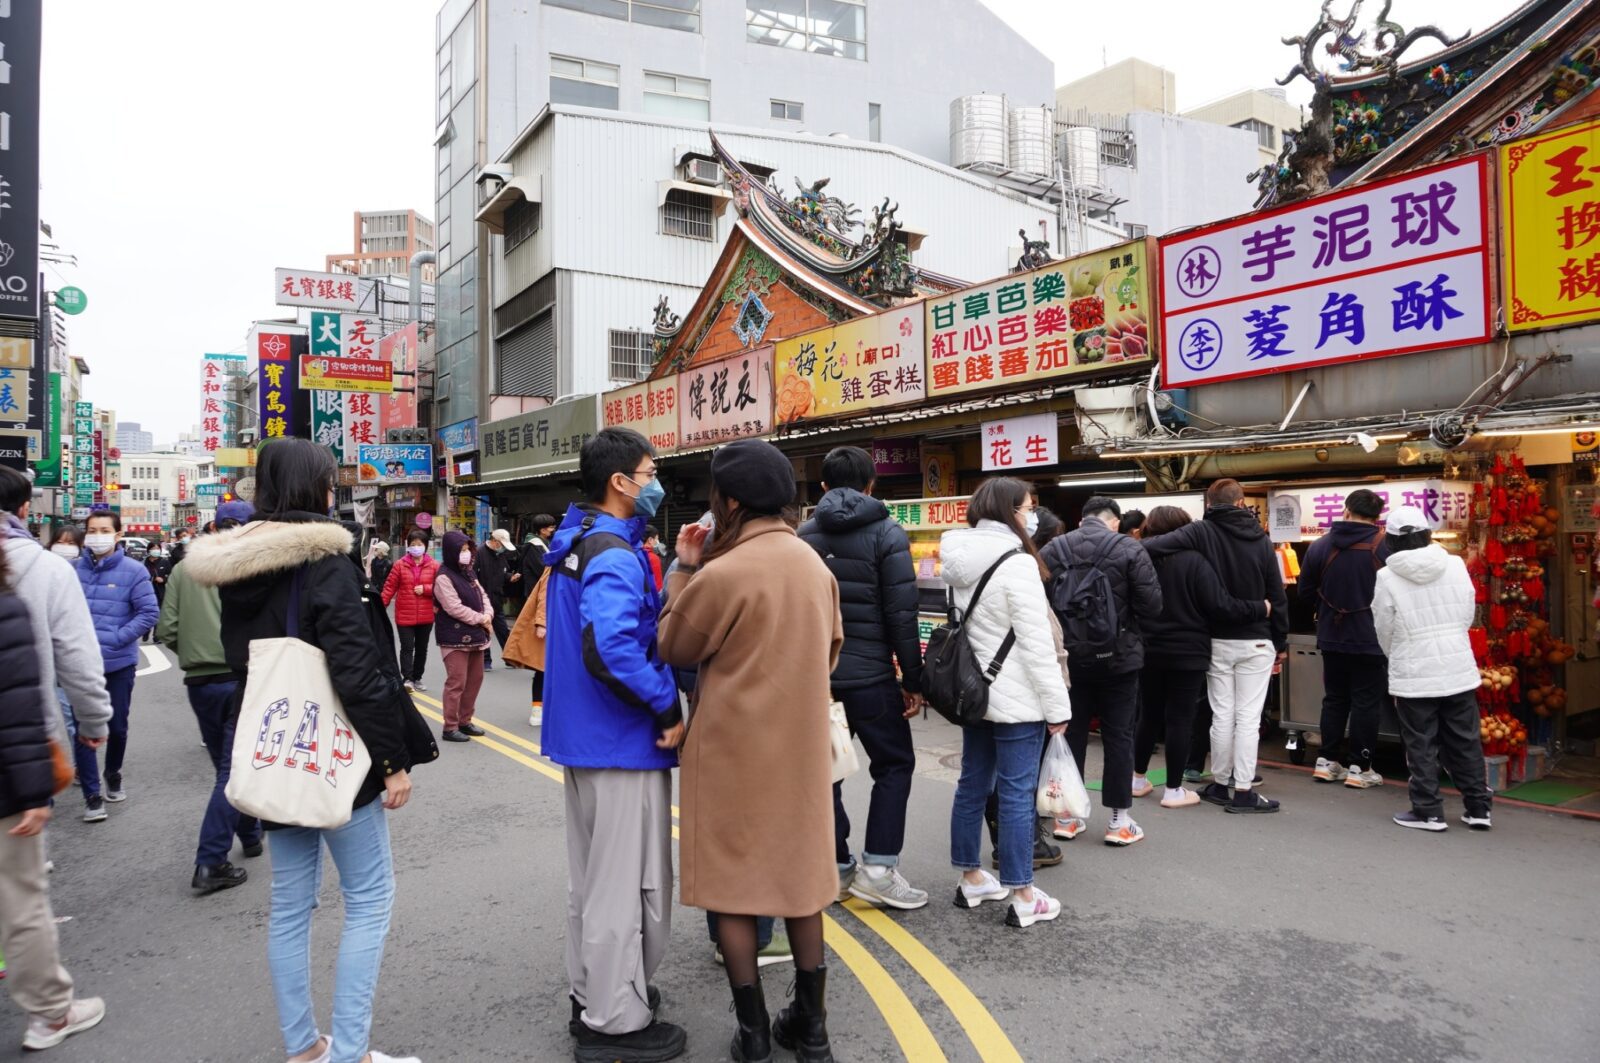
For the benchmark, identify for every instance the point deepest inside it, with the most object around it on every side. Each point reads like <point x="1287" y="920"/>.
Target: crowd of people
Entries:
<point x="722" y="665"/>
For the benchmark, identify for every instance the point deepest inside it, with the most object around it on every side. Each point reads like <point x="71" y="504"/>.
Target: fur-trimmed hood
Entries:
<point x="261" y="548"/>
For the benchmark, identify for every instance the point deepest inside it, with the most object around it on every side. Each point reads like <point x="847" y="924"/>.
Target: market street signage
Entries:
<point x="395" y="463"/>
<point x="275" y="384"/>
<point x="649" y="408"/>
<point x="1394" y="267"/>
<point x="539" y="442"/>
<point x="1550" y="203"/>
<point x="725" y="400"/>
<point x="217" y="419"/>
<point x="20" y="23"/>
<point x="346" y="374"/>
<point x="323" y="291"/>
<point x="1020" y="442"/>
<point x="1069" y="318"/>
<point x="853" y="367"/>
<point x="460" y="436"/>
<point x="1298" y="513"/>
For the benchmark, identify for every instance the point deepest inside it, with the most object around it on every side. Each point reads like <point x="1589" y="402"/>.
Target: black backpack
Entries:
<point x="1082" y="597"/>
<point x="952" y="680"/>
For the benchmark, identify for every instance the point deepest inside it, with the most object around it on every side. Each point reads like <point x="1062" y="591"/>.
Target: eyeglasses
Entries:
<point x="647" y="476"/>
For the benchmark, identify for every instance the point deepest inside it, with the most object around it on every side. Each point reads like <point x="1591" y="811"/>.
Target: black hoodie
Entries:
<point x="1341" y="594"/>
<point x="1233" y="540"/>
<point x="870" y="557"/>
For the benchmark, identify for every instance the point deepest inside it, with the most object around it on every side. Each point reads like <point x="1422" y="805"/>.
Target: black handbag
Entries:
<point x="952" y="680"/>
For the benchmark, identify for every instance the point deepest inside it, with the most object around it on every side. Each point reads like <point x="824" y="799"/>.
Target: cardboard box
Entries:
<point x="1498" y="771"/>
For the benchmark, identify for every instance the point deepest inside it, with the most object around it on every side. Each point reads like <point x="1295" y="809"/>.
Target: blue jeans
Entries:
<point x="83" y="758"/>
<point x="876" y="715"/>
<point x="360" y="850"/>
<point x="764" y="925"/>
<point x="1002" y="758"/>
<point x="210" y="702"/>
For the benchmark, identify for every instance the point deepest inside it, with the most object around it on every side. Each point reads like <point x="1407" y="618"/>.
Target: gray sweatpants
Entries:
<point x="619" y="891"/>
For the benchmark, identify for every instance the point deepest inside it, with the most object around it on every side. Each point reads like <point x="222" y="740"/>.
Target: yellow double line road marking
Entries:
<point x="905" y="1022"/>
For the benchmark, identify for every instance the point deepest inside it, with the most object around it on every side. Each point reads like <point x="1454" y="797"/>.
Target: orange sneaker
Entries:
<point x="1125" y="835"/>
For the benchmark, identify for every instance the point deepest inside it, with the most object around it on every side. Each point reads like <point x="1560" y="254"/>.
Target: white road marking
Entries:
<point x="157" y="658"/>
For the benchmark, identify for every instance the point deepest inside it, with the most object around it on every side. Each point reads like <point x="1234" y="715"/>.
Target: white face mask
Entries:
<point x="1030" y="521"/>
<point x="66" y="550"/>
<point x="416" y="549"/>
<point x="100" y="542"/>
<point x="465" y="558"/>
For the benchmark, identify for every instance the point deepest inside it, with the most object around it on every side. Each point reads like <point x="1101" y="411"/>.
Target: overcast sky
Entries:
<point x="190" y="146"/>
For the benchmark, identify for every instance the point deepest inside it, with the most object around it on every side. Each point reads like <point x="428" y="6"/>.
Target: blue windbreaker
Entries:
<point x="607" y="694"/>
<point x="122" y="604"/>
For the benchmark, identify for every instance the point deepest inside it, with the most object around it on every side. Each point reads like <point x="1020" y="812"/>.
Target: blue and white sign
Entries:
<point x="395" y="463"/>
<point x="461" y="436"/>
<point x="1393" y="267"/>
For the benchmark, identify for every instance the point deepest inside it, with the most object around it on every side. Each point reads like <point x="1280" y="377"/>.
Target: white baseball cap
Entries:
<point x="503" y="535"/>
<point x="1403" y="520"/>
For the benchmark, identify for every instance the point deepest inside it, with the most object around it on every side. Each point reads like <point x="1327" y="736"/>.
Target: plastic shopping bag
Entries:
<point x="1061" y="790"/>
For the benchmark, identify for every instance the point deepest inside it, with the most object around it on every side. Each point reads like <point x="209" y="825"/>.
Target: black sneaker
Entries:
<point x="94" y="809"/>
<point x="1408" y="818"/>
<point x="656" y="1043"/>
<point x="223" y="876"/>
<point x="114" y="790"/>
<point x="575" y="1024"/>
<point x="1476" y="820"/>
<point x="1215" y="794"/>
<point x="1248" y="801"/>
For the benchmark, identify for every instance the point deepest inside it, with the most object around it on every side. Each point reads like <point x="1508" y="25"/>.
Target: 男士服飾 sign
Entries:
<point x="1393" y="267"/>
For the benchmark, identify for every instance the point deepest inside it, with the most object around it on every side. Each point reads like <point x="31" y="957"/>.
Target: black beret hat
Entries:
<point x="754" y="472"/>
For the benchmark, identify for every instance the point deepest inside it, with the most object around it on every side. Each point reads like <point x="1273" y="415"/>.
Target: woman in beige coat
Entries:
<point x="758" y="613"/>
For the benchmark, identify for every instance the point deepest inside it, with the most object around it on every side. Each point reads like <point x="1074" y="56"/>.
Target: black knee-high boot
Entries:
<point x="751" y="1042"/>
<point x="803" y="1027"/>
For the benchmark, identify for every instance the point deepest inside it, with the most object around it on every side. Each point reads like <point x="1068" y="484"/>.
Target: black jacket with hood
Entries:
<point x="1233" y="540"/>
<point x="1341" y="593"/>
<point x="1193" y="601"/>
<point x="870" y="557"/>
<point x="27" y="777"/>
<point x="1133" y="585"/>
<point x="253" y="567"/>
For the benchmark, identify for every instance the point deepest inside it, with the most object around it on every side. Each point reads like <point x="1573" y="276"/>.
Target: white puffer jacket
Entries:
<point x="1422" y="608"/>
<point x="1029" y="687"/>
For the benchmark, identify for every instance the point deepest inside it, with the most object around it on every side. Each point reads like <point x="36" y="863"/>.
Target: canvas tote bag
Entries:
<point x="296" y="760"/>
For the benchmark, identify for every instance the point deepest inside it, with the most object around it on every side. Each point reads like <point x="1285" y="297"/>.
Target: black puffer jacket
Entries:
<point x="870" y="556"/>
<point x="1233" y="540"/>
<point x="1341" y="594"/>
<point x="253" y="567"/>
<point x="27" y="778"/>
<point x="1133" y="584"/>
<point x="1193" y="601"/>
<point x="492" y="573"/>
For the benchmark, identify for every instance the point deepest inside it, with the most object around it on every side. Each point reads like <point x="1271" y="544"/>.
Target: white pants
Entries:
<point x="1236" y="684"/>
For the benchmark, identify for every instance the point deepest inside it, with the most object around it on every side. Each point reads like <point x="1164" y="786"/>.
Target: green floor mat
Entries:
<point x="1548" y="791"/>
<point x="1157" y="778"/>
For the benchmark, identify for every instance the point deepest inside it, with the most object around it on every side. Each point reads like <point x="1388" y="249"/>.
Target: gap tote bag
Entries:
<point x="296" y="760"/>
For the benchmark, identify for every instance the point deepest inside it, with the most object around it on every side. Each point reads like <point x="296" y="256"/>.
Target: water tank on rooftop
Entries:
<point x="1032" y="140"/>
<point x="978" y="131"/>
<point x="1080" y="156"/>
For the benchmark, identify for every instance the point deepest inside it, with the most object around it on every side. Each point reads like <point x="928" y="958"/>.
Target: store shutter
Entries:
<point x="528" y="359"/>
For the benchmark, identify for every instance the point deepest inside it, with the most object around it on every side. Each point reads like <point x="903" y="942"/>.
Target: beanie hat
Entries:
<point x="755" y="473"/>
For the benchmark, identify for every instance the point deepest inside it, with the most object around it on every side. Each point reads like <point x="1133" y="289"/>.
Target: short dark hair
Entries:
<point x="1050" y="526"/>
<point x="542" y="521"/>
<point x="416" y="535"/>
<point x="651" y="532"/>
<point x="848" y="467"/>
<point x="293" y="475"/>
<point x="1364" y="503"/>
<point x="1224" y="493"/>
<point x="1409" y="541"/>
<point x="1131" y="521"/>
<point x="16" y="490"/>
<point x="106" y="514"/>
<point x="608" y="452"/>
<point x="1102" y="504"/>
<point x="1164" y="519"/>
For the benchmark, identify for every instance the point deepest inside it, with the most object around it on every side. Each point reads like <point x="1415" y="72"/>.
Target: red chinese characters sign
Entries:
<point x="324" y="291"/>
<point x="1550" y="201"/>
<point x="852" y="367"/>
<point x="1021" y="442"/>
<point x="725" y="400"/>
<point x="650" y="408"/>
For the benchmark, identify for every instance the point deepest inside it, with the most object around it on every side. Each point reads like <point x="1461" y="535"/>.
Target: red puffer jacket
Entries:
<point x="411" y="609"/>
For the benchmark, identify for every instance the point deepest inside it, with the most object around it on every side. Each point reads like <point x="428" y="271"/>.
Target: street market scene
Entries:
<point x="832" y="529"/>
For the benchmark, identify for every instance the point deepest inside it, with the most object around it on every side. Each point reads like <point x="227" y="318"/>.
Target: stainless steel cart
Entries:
<point x="1301" y="703"/>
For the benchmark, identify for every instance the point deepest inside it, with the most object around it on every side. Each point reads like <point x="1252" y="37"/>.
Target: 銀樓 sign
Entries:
<point x="1393" y="267"/>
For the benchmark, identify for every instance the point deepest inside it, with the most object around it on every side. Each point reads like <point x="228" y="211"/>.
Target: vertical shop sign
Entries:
<point x="275" y="386"/>
<point x="1550" y="203"/>
<point x="327" y="406"/>
<point x="47" y="471"/>
<point x="20" y="22"/>
<point x="399" y="409"/>
<point x="725" y="400"/>
<point x="218" y="421"/>
<point x="1020" y="442"/>
<point x="865" y="364"/>
<point x="1391" y="267"/>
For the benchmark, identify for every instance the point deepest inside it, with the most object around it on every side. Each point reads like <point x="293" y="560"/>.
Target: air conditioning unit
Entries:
<point x="407" y="435"/>
<point x="702" y="171"/>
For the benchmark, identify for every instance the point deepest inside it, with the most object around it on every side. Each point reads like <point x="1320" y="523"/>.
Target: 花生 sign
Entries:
<point x="1393" y="267"/>
<point x="864" y="364"/>
<point x="395" y="463"/>
<point x="1446" y="503"/>
<point x="725" y="400"/>
<point x="1019" y="442"/>
<point x="649" y="408"/>
<point x="1086" y="313"/>
<point x="1550" y="203"/>
<point x="322" y="291"/>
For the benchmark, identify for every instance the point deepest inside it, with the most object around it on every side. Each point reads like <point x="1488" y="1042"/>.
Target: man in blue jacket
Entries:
<point x="123" y="606"/>
<point x="612" y="718"/>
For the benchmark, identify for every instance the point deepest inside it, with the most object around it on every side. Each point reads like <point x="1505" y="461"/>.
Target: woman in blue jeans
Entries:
<point x="1007" y="621"/>
<point x="294" y="558"/>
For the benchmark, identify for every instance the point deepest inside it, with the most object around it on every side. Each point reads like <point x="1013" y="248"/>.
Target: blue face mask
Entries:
<point x="649" y="500"/>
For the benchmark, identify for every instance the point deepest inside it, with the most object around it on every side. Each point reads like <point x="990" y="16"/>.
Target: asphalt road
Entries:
<point x="1320" y="933"/>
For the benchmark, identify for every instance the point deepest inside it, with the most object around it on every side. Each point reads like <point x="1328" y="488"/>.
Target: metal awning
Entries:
<point x="720" y="197"/>
<point x="518" y="189"/>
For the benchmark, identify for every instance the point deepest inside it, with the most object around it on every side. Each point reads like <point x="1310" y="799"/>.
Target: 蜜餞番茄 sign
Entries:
<point x="649" y="408"/>
<point x="1550" y="207"/>
<point x="724" y="400"/>
<point x="1393" y="267"/>
<point x="864" y="364"/>
<point x="1072" y="317"/>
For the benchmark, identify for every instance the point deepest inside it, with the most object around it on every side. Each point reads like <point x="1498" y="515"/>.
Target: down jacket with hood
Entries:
<point x="1233" y="540"/>
<point x="410" y="608"/>
<point x="1030" y="687"/>
<point x="1133" y="585"/>
<point x="1422" y="609"/>
<point x="27" y="778"/>
<point x="122" y="602"/>
<point x="253" y="568"/>
<point x="870" y="558"/>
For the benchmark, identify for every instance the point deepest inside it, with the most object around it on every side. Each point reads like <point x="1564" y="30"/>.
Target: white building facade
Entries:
<point x="162" y="490"/>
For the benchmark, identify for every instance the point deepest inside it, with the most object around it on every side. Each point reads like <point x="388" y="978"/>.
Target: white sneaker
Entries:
<point x="327" y="1051"/>
<point x="1477" y="820"/>
<point x="1041" y="909"/>
<point x="1142" y="787"/>
<point x="422" y="690"/>
<point x="47" y="1033"/>
<point x="970" y="896"/>
<point x="1329" y="771"/>
<point x="1068" y="829"/>
<point x="885" y="886"/>
<point x="536" y="717"/>
<point x="381" y="1057"/>
<point x="409" y="685"/>
<point x="1357" y="779"/>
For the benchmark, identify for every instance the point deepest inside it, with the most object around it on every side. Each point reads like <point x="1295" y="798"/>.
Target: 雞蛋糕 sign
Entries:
<point x="1394" y="267"/>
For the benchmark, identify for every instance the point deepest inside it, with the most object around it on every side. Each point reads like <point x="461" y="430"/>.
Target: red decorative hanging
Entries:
<point x="1480" y="643"/>
<point x="1497" y="617"/>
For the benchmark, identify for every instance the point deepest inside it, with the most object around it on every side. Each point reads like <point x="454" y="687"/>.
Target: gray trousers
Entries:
<point x="619" y="891"/>
<point x="37" y="981"/>
<point x="1444" y="730"/>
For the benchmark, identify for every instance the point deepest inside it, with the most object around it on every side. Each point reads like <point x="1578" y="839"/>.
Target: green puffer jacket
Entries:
<point x="191" y="623"/>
